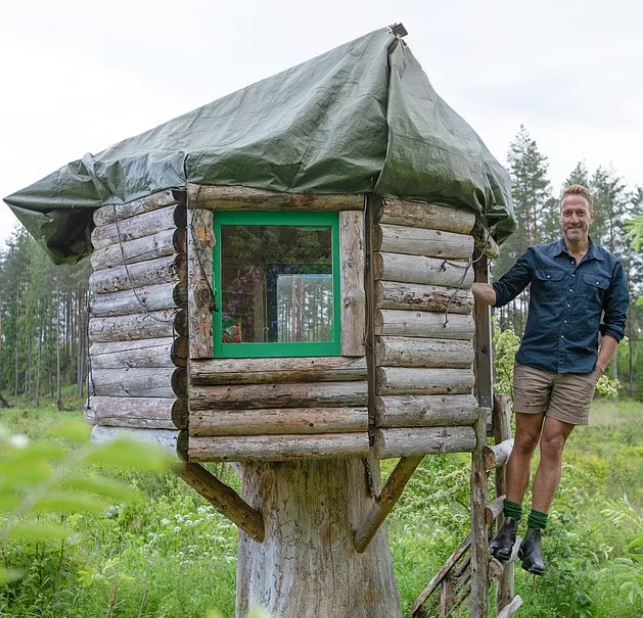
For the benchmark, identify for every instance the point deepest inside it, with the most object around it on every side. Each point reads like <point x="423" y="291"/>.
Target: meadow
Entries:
<point x="170" y="555"/>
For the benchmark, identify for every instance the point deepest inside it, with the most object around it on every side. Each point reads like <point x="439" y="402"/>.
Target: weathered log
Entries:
<point x="165" y="438"/>
<point x="412" y="296"/>
<point x="143" y="225"/>
<point x="422" y="241"/>
<point x="425" y="410"/>
<point x="425" y="215"/>
<point x="224" y="499"/>
<point x="157" y="352"/>
<point x="201" y="296"/>
<point x="498" y="454"/>
<point x="493" y="510"/>
<point x="386" y="500"/>
<point x="245" y="198"/>
<point x="107" y="214"/>
<point x="495" y="569"/>
<point x="509" y="610"/>
<point x="275" y="370"/>
<point x="423" y="324"/>
<point x="150" y="298"/>
<point x="411" y="381"/>
<point x="421" y="352"/>
<point x="402" y="442"/>
<point x="277" y="447"/>
<point x="484" y="242"/>
<point x="141" y="412"/>
<point x="142" y="249"/>
<point x="154" y="272"/>
<point x="149" y="325"/>
<point x="278" y="421"/>
<point x="302" y="395"/>
<point x="424" y="270"/>
<point x="156" y="382"/>
<point x="351" y="243"/>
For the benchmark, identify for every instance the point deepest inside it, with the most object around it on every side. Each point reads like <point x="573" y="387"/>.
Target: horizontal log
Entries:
<point x="154" y="272"/>
<point x="149" y="298"/>
<point x="421" y="352"/>
<point x="141" y="412"/>
<point x="425" y="410"/>
<point x="278" y="421"/>
<point x="424" y="381"/>
<point x="245" y="198"/>
<point x="422" y="241"/>
<point x="164" y="438"/>
<point x="424" y="270"/>
<point x="144" y="225"/>
<point x="422" y="441"/>
<point x="493" y="510"/>
<point x="422" y="214"/>
<point x="156" y="352"/>
<point x="301" y="395"/>
<point x="275" y="370"/>
<point x="277" y="448"/>
<point x="423" y="324"/>
<point x="108" y="214"/>
<point x="143" y="249"/>
<point x="498" y="454"/>
<point x="417" y="297"/>
<point x="157" y="382"/>
<point x="138" y="326"/>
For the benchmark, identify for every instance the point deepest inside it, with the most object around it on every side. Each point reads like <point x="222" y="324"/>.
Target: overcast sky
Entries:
<point x="77" y="76"/>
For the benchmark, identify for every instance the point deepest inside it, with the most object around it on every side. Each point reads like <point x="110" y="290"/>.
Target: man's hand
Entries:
<point x="484" y="293"/>
<point x="608" y="347"/>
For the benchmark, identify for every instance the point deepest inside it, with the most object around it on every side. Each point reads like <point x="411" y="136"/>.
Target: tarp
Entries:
<point x="361" y="118"/>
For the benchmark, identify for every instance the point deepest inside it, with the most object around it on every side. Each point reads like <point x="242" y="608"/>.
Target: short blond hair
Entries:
<point x="578" y="190"/>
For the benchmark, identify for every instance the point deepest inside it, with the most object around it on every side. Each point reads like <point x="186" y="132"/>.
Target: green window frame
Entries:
<point x="277" y="349"/>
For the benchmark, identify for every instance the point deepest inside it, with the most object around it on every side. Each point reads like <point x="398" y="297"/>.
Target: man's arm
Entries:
<point x="514" y="281"/>
<point x="615" y="313"/>
<point x="608" y="347"/>
<point x="484" y="293"/>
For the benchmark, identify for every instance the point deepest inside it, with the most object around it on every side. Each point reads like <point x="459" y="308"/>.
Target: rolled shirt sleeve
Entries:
<point x="514" y="281"/>
<point x="615" y="305"/>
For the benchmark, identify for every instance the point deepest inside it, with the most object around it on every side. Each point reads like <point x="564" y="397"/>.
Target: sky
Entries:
<point x="77" y="76"/>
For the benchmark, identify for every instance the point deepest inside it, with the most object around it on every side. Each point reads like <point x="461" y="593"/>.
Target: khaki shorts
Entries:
<point x="567" y="397"/>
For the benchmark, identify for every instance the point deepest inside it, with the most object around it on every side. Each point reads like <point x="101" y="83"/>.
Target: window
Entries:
<point x="277" y="284"/>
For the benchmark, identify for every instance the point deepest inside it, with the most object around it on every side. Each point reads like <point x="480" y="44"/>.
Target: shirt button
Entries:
<point x="573" y="275"/>
<point x="571" y="290"/>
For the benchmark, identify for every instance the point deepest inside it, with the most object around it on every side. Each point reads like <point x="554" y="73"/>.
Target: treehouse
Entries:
<point x="282" y="278"/>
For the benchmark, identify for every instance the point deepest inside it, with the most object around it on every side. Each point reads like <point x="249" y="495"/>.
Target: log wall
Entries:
<point x="421" y="328"/>
<point x="138" y="319"/>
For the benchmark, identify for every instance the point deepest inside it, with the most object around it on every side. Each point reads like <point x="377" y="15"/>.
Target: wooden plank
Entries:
<point x="141" y="412"/>
<point x="149" y="298"/>
<point x="164" y="438"/>
<point x="154" y="352"/>
<point x="352" y="248"/>
<point x="483" y="341"/>
<point x="301" y="395"/>
<point x="416" y="297"/>
<point x="512" y="608"/>
<point x="420" y="352"/>
<point x="398" y="323"/>
<point x="423" y="270"/>
<point x="422" y="241"/>
<point x="386" y="501"/>
<point x="246" y="198"/>
<point x="278" y="421"/>
<point x="107" y="214"/>
<point x="411" y="381"/>
<point x="224" y="499"/>
<point x="277" y="448"/>
<point x="150" y="325"/>
<point x="410" y="442"/>
<point x="156" y="382"/>
<point x="425" y="215"/>
<point x="425" y="410"/>
<point x="498" y="454"/>
<point x="276" y="370"/>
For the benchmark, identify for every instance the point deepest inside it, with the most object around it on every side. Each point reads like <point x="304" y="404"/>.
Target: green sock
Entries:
<point x="512" y="509"/>
<point x="537" y="519"/>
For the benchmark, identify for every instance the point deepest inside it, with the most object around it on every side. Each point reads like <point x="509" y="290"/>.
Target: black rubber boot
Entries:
<point x="502" y="544"/>
<point x="530" y="552"/>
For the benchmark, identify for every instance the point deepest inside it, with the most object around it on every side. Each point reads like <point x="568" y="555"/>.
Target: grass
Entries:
<point x="172" y="555"/>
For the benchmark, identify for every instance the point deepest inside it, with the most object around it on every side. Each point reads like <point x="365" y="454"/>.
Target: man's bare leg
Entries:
<point x="528" y="430"/>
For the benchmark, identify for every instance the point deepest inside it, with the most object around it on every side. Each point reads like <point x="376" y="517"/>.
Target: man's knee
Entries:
<point x="525" y="442"/>
<point x="552" y="445"/>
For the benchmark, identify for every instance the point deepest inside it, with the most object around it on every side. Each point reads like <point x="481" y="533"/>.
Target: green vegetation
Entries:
<point x="169" y="554"/>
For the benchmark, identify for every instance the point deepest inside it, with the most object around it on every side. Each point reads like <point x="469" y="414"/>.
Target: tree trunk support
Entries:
<point x="386" y="501"/>
<point x="224" y="499"/>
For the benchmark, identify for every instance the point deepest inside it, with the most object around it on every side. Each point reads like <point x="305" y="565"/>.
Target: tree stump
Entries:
<point x="307" y="566"/>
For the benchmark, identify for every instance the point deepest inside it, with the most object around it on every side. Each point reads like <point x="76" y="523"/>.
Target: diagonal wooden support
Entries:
<point x="387" y="499"/>
<point x="510" y="609"/>
<point x="224" y="499"/>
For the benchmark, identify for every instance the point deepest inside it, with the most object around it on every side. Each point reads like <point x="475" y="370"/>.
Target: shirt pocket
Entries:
<point x="548" y="283"/>
<point x="593" y="290"/>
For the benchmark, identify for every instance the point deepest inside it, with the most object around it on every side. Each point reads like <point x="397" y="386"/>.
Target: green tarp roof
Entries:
<point x="360" y="118"/>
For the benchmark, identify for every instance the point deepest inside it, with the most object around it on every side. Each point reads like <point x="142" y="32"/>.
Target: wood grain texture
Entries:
<point x="421" y="241"/>
<point x="396" y="323"/>
<point x="352" y="256"/>
<point x="425" y="410"/>
<point x="155" y="352"/>
<point x="425" y="215"/>
<point x="422" y="352"/>
<point x="149" y="298"/>
<point x="423" y="381"/>
<point x="411" y="442"/>
<point x="165" y="438"/>
<point x="155" y="382"/>
<point x="140" y="412"/>
<point x="107" y="214"/>
<point x="153" y="324"/>
<point x="417" y="297"/>
<point x="423" y="270"/>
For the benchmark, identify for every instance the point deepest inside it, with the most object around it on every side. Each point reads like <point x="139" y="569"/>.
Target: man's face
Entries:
<point x="575" y="217"/>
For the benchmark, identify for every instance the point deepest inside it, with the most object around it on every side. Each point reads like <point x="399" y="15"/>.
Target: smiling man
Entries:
<point x="578" y="290"/>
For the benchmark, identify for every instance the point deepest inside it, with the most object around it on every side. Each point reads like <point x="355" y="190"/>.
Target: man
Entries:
<point x="574" y="283"/>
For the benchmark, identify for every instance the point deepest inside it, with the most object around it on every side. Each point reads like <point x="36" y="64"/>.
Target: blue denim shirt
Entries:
<point x="566" y="304"/>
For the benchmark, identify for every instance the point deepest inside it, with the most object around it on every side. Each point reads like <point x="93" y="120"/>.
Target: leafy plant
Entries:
<point x="506" y="344"/>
